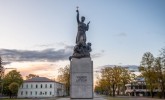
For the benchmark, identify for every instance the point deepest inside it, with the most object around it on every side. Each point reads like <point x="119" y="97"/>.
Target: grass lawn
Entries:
<point x="11" y="99"/>
<point x="131" y="98"/>
<point x="14" y="99"/>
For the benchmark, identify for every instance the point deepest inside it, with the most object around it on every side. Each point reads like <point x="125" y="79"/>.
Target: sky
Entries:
<point x="38" y="36"/>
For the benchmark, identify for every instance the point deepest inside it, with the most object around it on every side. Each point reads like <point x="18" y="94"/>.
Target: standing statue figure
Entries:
<point x="82" y="28"/>
<point x="81" y="49"/>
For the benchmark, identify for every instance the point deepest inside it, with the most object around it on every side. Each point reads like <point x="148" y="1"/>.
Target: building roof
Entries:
<point x="140" y="79"/>
<point x="39" y="79"/>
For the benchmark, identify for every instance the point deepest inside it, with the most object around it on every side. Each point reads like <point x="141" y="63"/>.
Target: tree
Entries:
<point x="112" y="79"/>
<point x="1" y="73"/>
<point x="64" y="77"/>
<point x="31" y="76"/>
<point x="106" y="80"/>
<point x="125" y="78"/>
<point x="116" y="78"/>
<point x="12" y="76"/>
<point x="147" y="70"/>
<point x="13" y="87"/>
<point x="102" y="87"/>
<point x="158" y="66"/>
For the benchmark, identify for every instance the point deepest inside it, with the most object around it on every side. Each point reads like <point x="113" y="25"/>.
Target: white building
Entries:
<point x="138" y="88"/>
<point x="40" y="87"/>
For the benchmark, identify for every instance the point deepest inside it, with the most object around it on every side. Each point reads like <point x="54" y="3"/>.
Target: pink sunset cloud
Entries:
<point x="44" y="69"/>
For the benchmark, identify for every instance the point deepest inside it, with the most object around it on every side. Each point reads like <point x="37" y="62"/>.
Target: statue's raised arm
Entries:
<point x="78" y="21"/>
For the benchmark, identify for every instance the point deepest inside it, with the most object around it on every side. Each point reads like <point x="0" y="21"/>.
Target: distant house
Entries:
<point x="40" y="87"/>
<point x="138" y="88"/>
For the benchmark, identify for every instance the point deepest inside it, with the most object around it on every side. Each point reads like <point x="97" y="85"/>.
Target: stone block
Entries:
<point x="81" y="78"/>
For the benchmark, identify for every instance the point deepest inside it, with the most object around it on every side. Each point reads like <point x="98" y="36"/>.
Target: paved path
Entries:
<point x="96" y="97"/>
<point x="115" y="98"/>
<point x="81" y="99"/>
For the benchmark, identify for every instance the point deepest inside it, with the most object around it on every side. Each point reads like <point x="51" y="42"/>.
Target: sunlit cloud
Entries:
<point x="44" y="69"/>
<point x="45" y="62"/>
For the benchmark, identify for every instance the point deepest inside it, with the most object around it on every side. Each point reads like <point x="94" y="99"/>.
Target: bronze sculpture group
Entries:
<point x="81" y="49"/>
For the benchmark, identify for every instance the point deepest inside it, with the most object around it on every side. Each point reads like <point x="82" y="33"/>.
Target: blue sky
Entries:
<point x="121" y="31"/>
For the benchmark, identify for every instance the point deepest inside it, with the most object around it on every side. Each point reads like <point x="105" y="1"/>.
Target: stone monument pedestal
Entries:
<point x="81" y="78"/>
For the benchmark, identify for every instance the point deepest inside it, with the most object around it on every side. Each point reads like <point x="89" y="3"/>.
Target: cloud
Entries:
<point x="122" y="34"/>
<point x="97" y="55"/>
<point x="45" y="55"/>
<point x="6" y="63"/>
<point x="133" y="68"/>
<point x="41" y="69"/>
<point x="51" y="45"/>
<point x="44" y="45"/>
<point x="49" y="55"/>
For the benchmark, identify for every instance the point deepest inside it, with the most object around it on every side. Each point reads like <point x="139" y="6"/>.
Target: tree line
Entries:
<point x="153" y="70"/>
<point x="11" y="82"/>
<point x="110" y="81"/>
<point x="113" y="79"/>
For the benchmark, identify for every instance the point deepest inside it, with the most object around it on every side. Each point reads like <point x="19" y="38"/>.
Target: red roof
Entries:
<point x="39" y="79"/>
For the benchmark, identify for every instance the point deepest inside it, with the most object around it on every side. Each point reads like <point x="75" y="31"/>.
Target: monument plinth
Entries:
<point x="81" y="65"/>
<point x="81" y="78"/>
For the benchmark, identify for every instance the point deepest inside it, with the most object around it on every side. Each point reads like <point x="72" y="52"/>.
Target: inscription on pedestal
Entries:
<point x="81" y="79"/>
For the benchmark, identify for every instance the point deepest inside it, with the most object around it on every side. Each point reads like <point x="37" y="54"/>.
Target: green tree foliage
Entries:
<point x="1" y="74"/>
<point x="31" y="76"/>
<point x="153" y="70"/>
<point x="160" y="75"/>
<point x="112" y="79"/>
<point x="12" y="76"/>
<point x="13" y="87"/>
<point x="126" y="77"/>
<point x="148" y="72"/>
<point x="64" y="77"/>
<point x="160" y="72"/>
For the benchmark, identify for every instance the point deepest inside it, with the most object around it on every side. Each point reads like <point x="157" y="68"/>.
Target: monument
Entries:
<point x="81" y="65"/>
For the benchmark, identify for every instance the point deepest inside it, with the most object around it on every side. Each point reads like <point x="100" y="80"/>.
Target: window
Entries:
<point x="27" y="86"/>
<point x="36" y="92"/>
<point x="31" y="85"/>
<point x="36" y="86"/>
<point x="40" y="93"/>
<point x="45" y="93"/>
<point x="136" y="87"/>
<point x="50" y="85"/>
<point x="45" y="85"/>
<point x="26" y="92"/>
<point x="31" y="93"/>
<point x="41" y="85"/>
<point x="21" y="92"/>
<point x="140" y="87"/>
<point x="50" y="93"/>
